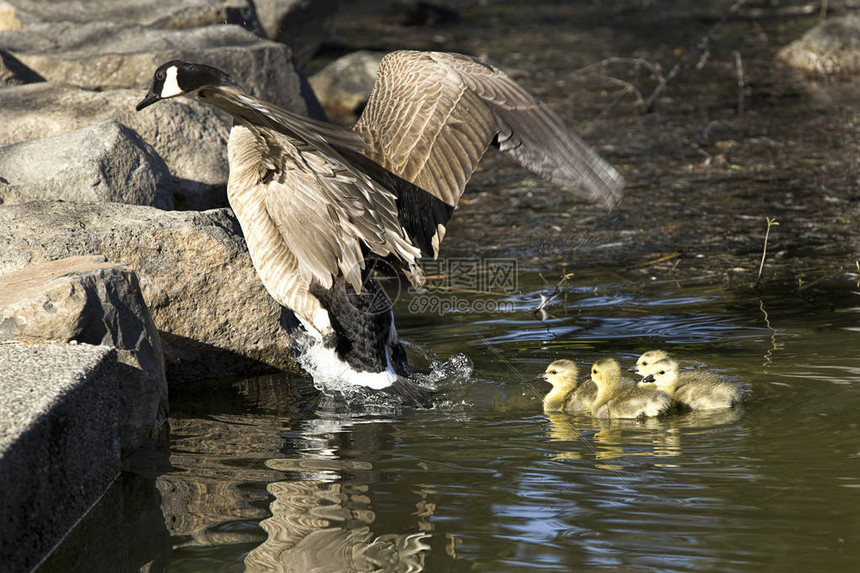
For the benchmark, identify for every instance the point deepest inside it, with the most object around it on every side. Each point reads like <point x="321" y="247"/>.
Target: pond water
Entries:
<point x="265" y="474"/>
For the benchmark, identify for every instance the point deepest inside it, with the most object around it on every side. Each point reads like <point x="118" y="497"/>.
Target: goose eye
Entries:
<point x="159" y="74"/>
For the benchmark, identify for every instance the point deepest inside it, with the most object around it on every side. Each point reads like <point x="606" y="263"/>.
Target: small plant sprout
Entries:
<point x="771" y="222"/>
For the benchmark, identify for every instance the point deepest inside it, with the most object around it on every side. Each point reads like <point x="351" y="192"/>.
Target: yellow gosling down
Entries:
<point x="618" y="397"/>
<point x="646" y="361"/>
<point x="568" y="394"/>
<point x="693" y="389"/>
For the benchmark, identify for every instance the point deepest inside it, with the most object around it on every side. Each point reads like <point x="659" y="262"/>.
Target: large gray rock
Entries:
<point x="344" y="85"/>
<point x="303" y="25"/>
<point x="103" y="162"/>
<point x="163" y="13"/>
<point x="104" y="55"/>
<point x="831" y="47"/>
<point x="59" y="443"/>
<point x="214" y="316"/>
<point x="86" y="299"/>
<point x="190" y="136"/>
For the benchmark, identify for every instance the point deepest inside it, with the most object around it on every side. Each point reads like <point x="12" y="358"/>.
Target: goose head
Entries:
<point x="664" y="374"/>
<point x="177" y="77"/>
<point x="646" y="361"/>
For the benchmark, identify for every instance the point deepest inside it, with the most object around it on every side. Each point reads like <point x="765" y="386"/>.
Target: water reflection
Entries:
<point x="265" y="474"/>
<point x="327" y="525"/>
<point x="608" y="440"/>
<point x="605" y="440"/>
<point x="324" y="516"/>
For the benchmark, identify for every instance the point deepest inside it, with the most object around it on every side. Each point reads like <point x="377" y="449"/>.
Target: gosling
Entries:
<point x="568" y="394"/>
<point x="693" y="389"/>
<point x="622" y="398"/>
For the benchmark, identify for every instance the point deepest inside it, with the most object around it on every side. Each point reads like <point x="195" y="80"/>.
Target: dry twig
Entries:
<point x="770" y="223"/>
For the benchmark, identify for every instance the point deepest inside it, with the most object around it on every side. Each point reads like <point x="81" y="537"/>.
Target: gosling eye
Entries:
<point x="553" y="371"/>
<point x="645" y="363"/>
<point x="662" y="372"/>
<point x="594" y="371"/>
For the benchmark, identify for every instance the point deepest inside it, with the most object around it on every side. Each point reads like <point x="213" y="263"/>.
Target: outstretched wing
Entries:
<point x="326" y="208"/>
<point x="432" y="115"/>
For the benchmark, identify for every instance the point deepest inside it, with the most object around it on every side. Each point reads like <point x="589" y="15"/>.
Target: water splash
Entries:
<point x="382" y="391"/>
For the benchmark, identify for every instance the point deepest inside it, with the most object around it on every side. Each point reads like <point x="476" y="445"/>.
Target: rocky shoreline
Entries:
<point x="106" y="291"/>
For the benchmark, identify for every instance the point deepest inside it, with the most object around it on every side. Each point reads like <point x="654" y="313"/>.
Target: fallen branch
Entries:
<point x="701" y="53"/>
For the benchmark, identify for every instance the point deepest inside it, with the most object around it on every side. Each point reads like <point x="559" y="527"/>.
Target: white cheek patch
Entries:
<point x="170" y="87"/>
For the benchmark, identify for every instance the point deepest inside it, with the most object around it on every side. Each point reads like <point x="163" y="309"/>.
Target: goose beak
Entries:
<point x="150" y="99"/>
<point x="649" y="378"/>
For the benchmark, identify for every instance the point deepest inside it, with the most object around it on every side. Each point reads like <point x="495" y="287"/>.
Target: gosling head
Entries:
<point x="664" y="374"/>
<point x="646" y="361"/>
<point x="606" y="374"/>
<point x="176" y="78"/>
<point x="561" y="374"/>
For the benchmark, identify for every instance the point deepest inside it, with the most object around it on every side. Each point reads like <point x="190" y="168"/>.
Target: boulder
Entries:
<point x="163" y="13"/>
<point x="303" y="25"/>
<point x="343" y="86"/>
<point x="88" y="300"/>
<point x="103" y="162"/>
<point x="212" y="312"/>
<point x="105" y="55"/>
<point x="190" y="136"/>
<point x="831" y="47"/>
<point x="59" y="443"/>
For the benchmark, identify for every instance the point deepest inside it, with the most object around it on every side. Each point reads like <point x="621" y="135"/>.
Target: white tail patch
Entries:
<point x="331" y="373"/>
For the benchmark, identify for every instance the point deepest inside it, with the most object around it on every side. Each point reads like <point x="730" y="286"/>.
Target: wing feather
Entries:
<point x="324" y="206"/>
<point x="432" y="116"/>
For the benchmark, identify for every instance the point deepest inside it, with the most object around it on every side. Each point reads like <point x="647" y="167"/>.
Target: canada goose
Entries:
<point x="568" y="394"/>
<point x="693" y="389"/>
<point x="319" y="203"/>
<point x="621" y="398"/>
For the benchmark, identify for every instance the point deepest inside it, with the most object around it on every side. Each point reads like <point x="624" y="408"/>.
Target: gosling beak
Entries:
<point x="150" y="99"/>
<point x="649" y="378"/>
<point x="543" y="376"/>
<point x="633" y="369"/>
